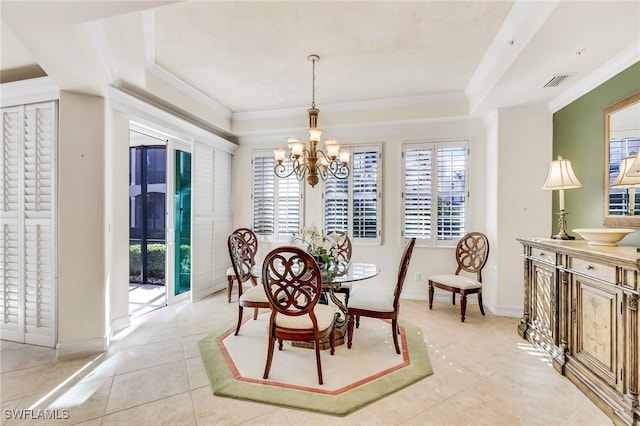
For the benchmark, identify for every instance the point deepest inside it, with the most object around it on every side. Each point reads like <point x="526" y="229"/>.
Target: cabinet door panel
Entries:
<point x="544" y="299"/>
<point x="597" y="317"/>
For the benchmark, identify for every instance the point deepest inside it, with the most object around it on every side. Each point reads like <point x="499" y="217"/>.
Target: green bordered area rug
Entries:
<point x="353" y="378"/>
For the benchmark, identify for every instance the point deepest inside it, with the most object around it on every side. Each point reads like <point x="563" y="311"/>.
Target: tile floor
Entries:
<point x="152" y="374"/>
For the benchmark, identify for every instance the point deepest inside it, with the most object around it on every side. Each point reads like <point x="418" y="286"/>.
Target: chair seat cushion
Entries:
<point x="254" y="294"/>
<point x="231" y="272"/>
<point x="371" y="299"/>
<point x="456" y="281"/>
<point x="325" y="315"/>
<point x="256" y="270"/>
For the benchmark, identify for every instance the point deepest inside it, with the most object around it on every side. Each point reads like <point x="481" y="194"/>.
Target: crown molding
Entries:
<point x="148" y="25"/>
<point x="521" y="24"/>
<point x="619" y="63"/>
<point x="28" y="91"/>
<point x="101" y="46"/>
<point x="279" y="136"/>
<point x="166" y="121"/>
<point x="377" y="104"/>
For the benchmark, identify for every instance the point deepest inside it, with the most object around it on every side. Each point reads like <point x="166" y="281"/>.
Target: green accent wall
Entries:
<point x="578" y="135"/>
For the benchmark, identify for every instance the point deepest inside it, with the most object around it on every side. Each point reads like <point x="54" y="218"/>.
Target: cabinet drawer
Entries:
<point x="545" y="256"/>
<point x="593" y="269"/>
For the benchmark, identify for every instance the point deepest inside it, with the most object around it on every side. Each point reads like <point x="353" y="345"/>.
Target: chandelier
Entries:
<point x="313" y="162"/>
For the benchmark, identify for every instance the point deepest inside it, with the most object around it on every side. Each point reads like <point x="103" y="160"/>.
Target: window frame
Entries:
<point x="276" y="236"/>
<point x="376" y="147"/>
<point x="434" y="146"/>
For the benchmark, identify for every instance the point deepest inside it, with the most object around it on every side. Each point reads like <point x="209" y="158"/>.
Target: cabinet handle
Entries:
<point x="541" y="254"/>
<point x="589" y="267"/>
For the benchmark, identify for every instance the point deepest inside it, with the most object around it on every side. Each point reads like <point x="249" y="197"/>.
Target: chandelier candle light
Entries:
<point x="313" y="161"/>
<point x="561" y="177"/>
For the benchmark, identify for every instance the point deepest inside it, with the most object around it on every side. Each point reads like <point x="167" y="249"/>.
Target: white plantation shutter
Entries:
<point x="452" y="192"/>
<point x="12" y="323"/>
<point x="365" y="178"/>
<point x="336" y="205"/>
<point x="202" y="235"/>
<point x="353" y="204"/>
<point x="435" y="191"/>
<point x="222" y="223"/>
<point x="264" y="194"/>
<point x="417" y="192"/>
<point x="277" y="202"/>
<point x="27" y="261"/>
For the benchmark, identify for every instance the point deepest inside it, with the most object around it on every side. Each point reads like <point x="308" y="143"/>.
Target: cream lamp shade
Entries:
<point x="627" y="178"/>
<point x="561" y="177"/>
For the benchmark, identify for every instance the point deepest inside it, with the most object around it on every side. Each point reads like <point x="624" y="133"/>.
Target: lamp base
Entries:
<point x="563" y="237"/>
<point x="562" y="224"/>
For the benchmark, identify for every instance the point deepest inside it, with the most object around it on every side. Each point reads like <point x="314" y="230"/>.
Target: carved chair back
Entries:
<point x="292" y="281"/>
<point x="472" y="252"/>
<point x="402" y="272"/>
<point x="344" y="246"/>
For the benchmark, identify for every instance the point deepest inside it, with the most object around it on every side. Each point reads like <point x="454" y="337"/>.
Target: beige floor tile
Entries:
<point x="147" y="385"/>
<point x="174" y="410"/>
<point x="481" y="365"/>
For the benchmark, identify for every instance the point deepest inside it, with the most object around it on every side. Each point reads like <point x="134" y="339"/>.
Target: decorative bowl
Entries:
<point x="603" y="236"/>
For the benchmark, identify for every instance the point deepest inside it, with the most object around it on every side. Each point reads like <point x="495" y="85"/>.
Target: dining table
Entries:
<point x="335" y="276"/>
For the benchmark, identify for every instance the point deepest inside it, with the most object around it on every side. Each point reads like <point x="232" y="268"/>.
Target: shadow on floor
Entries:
<point x="145" y="298"/>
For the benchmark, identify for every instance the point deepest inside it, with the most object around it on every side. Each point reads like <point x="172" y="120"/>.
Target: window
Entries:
<point x="353" y="204"/>
<point x="620" y="148"/>
<point x="276" y="201"/>
<point x="435" y="191"/>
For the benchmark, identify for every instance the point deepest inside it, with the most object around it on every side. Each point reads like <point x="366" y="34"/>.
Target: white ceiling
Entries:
<point x="251" y="56"/>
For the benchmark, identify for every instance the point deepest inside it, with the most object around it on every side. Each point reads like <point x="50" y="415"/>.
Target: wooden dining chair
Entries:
<point x="242" y="260"/>
<point x="252" y="240"/>
<point x="292" y="283"/>
<point x="472" y="252"/>
<point x="344" y="250"/>
<point x="379" y="302"/>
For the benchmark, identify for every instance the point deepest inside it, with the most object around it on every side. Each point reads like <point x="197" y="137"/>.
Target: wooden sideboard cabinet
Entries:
<point x="581" y="308"/>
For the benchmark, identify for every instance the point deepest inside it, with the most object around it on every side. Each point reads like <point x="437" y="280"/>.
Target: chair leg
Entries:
<point x="255" y="314"/>
<point x="229" y="287"/>
<point x="463" y="305"/>
<point x="239" y="320"/>
<point x="272" y="342"/>
<point x="395" y="332"/>
<point x="349" y="331"/>
<point x="357" y="321"/>
<point x="431" y="290"/>
<point x="332" y="339"/>
<point x="453" y="298"/>
<point x="317" y="348"/>
<point x="480" y="303"/>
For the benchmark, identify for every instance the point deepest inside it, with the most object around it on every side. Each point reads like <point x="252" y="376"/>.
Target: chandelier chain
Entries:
<point x="313" y="84"/>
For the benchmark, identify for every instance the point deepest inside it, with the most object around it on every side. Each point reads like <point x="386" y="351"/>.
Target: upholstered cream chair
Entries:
<point x="243" y="264"/>
<point x="292" y="283"/>
<point x="379" y="302"/>
<point x="472" y="252"/>
<point x="252" y="240"/>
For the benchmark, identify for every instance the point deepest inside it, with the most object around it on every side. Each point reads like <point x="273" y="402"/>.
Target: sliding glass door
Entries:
<point x="179" y="222"/>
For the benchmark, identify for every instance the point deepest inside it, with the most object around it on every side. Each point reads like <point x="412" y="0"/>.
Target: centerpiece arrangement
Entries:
<point x="323" y="247"/>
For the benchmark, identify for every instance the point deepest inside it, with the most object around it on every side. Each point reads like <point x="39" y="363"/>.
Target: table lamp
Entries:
<point x="561" y="177"/>
<point x="628" y="177"/>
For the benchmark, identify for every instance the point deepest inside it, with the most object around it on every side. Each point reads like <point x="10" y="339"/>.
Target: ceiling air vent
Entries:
<point x="556" y="80"/>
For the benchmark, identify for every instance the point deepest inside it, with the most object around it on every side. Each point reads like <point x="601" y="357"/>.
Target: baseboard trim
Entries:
<point x="439" y="296"/>
<point x="81" y="348"/>
<point x="118" y="325"/>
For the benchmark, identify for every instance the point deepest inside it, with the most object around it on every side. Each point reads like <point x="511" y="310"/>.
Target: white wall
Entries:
<point x="81" y="244"/>
<point x="519" y="152"/>
<point x="117" y="220"/>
